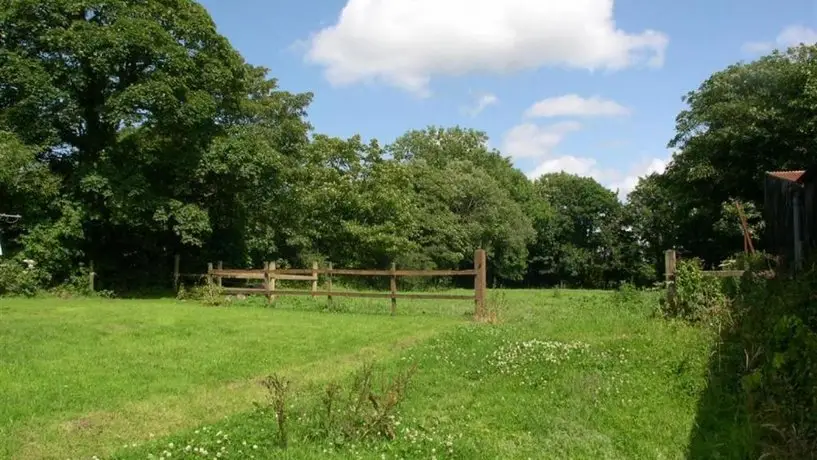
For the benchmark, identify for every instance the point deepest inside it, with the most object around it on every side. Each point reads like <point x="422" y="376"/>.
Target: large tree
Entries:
<point x="124" y="102"/>
<point x="741" y="122"/>
<point x="582" y="236"/>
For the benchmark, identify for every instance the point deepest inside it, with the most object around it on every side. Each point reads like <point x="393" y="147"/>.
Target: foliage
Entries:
<point x="16" y="279"/>
<point x="760" y="399"/>
<point x="695" y="296"/>
<point x="583" y="235"/>
<point x="742" y="121"/>
<point x="131" y="133"/>
<point x="208" y="293"/>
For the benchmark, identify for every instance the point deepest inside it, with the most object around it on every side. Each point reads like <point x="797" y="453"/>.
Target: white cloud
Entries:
<point x="628" y="183"/>
<point x="406" y="42"/>
<point x="481" y="103"/>
<point x="569" y="164"/>
<point x="575" y="105"/>
<point x="790" y="36"/>
<point x="529" y="140"/>
<point x="613" y="179"/>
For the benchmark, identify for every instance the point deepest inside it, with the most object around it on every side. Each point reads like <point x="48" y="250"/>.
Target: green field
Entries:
<point x="567" y="374"/>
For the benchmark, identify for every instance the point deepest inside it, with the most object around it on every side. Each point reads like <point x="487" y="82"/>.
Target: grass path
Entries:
<point x="83" y="377"/>
<point x="569" y="375"/>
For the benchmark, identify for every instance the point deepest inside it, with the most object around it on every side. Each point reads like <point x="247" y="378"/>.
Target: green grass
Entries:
<point x="567" y="374"/>
<point x="82" y="377"/>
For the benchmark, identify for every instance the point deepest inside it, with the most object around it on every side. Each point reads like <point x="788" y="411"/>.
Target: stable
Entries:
<point x="790" y="212"/>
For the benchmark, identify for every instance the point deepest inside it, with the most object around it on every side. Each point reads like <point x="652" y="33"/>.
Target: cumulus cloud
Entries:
<point x="405" y="43"/>
<point x="628" y="183"/>
<point x="531" y="141"/>
<point x="790" y="36"/>
<point x="569" y="164"/>
<point x="481" y="103"/>
<point x="575" y="105"/>
<point x="614" y="179"/>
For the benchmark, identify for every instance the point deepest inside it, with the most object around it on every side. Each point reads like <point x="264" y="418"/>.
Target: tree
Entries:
<point x="580" y="238"/>
<point x="741" y="122"/>
<point x="466" y="196"/>
<point x="124" y="102"/>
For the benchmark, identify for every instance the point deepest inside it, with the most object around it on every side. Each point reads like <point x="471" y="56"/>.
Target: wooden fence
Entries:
<point x="270" y="274"/>
<point x="670" y="269"/>
<point x="671" y="262"/>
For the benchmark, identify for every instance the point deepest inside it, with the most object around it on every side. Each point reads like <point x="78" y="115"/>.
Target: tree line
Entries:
<point x="132" y="131"/>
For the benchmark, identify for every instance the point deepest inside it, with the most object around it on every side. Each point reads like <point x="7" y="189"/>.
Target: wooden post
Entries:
<point x="176" y="263"/>
<point x="480" y="283"/>
<point x="314" y="278"/>
<point x="393" y="287"/>
<point x="209" y="272"/>
<point x="220" y="267"/>
<point x="329" y="284"/>
<point x="91" y="276"/>
<point x="272" y="268"/>
<point x="267" y="283"/>
<point x="670" y="260"/>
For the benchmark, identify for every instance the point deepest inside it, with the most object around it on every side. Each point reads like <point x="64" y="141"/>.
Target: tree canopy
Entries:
<point x="133" y="131"/>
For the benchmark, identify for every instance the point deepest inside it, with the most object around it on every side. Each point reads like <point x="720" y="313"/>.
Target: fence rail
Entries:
<point x="671" y="266"/>
<point x="270" y="274"/>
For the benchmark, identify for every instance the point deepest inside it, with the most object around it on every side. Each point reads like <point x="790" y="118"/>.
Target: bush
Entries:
<point x="16" y="279"/>
<point x="208" y="293"/>
<point x="695" y="297"/>
<point x="764" y="367"/>
<point x="77" y="285"/>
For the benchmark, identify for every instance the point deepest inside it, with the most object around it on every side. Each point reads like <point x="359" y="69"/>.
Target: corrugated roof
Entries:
<point x="792" y="176"/>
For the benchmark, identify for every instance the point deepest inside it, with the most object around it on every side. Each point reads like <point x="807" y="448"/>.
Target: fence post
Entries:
<point x="480" y="283"/>
<point x="670" y="260"/>
<point x="220" y="267"/>
<point x="272" y="266"/>
<point x="176" y="263"/>
<point x="329" y="284"/>
<point x="209" y="273"/>
<point x="314" y="278"/>
<point x="91" y="276"/>
<point x="267" y="282"/>
<point x="393" y="288"/>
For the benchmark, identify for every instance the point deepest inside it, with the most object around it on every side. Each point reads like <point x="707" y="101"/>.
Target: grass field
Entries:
<point x="567" y="374"/>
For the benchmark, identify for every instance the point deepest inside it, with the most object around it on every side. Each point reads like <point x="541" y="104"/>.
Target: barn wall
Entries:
<point x="779" y="217"/>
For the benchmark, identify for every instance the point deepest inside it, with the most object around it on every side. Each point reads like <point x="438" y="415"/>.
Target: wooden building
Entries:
<point x="790" y="212"/>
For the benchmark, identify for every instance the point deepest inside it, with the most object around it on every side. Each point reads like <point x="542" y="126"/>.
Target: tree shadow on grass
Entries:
<point x="762" y="384"/>
<point x="723" y="428"/>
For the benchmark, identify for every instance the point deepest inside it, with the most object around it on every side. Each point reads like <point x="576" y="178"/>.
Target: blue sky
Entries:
<point x="611" y="75"/>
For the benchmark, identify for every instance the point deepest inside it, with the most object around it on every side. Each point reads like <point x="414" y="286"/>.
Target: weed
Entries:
<point x="366" y="413"/>
<point x="208" y="293"/>
<point x="495" y="307"/>
<point x="278" y="390"/>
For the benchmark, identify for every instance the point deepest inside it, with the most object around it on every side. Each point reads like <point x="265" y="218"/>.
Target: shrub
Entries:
<point x="765" y="364"/>
<point x="77" y="285"/>
<point x="696" y="297"/>
<point x="628" y="296"/>
<point x="208" y="293"/>
<point x="16" y="279"/>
